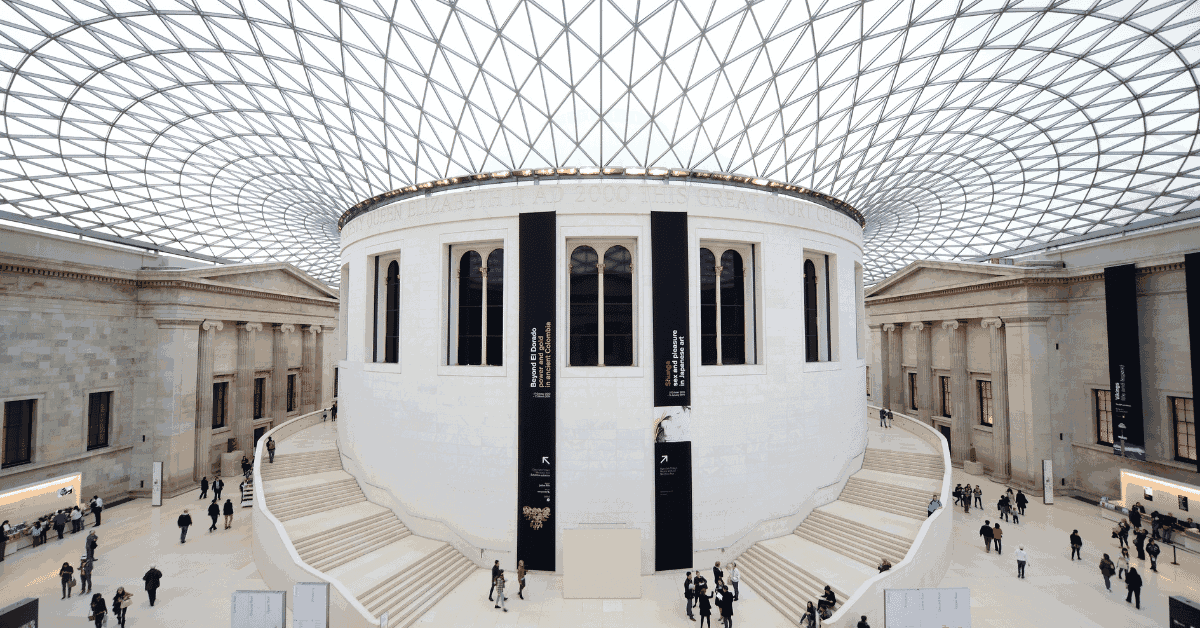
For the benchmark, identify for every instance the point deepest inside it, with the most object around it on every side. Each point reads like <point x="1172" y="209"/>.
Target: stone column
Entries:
<point x="204" y="399"/>
<point x="1028" y="345"/>
<point x="243" y="413"/>
<point x="961" y="423"/>
<point x="896" y="368"/>
<point x="1001" y="447"/>
<point x="309" y="367"/>
<point x="885" y="365"/>
<point x="319" y="370"/>
<point x="279" y="371"/>
<point x="171" y="407"/>
<point x="924" y="370"/>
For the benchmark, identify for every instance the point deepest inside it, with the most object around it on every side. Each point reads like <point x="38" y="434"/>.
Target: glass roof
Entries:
<point x="240" y="130"/>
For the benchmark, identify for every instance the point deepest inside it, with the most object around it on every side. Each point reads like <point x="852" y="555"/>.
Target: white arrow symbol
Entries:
<point x="663" y="460"/>
<point x="545" y="459"/>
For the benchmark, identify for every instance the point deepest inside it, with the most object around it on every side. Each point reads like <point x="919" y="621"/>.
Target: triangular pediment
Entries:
<point x="280" y="278"/>
<point x="929" y="276"/>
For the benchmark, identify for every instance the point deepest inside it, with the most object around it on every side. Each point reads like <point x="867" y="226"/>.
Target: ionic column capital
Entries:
<point x="919" y="325"/>
<point x="312" y="329"/>
<point x="247" y="326"/>
<point x="210" y="325"/>
<point x="888" y="327"/>
<point x="286" y="328"/>
<point x="950" y="324"/>
<point x="992" y="322"/>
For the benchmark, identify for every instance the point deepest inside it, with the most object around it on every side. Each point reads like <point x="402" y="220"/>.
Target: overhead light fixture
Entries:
<point x="635" y="172"/>
<point x="657" y="172"/>
<point x="589" y="171"/>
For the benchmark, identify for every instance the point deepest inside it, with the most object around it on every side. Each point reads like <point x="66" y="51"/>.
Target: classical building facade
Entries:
<point x="114" y="359"/>
<point x="1013" y="360"/>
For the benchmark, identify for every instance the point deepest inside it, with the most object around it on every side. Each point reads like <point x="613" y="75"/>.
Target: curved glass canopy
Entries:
<point x="240" y="130"/>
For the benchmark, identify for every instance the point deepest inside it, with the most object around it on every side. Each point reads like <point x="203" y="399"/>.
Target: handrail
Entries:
<point x="898" y="570"/>
<point x="260" y="502"/>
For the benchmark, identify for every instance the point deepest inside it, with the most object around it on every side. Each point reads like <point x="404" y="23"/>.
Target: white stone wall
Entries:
<point x="442" y="439"/>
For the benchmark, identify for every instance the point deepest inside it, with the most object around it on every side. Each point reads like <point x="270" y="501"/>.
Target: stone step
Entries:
<point x="334" y="535"/>
<point x="434" y="593"/>
<point x="386" y="594"/>
<point x="315" y="496"/>
<point x="873" y="502"/>
<point x="894" y="540"/>
<point x="851" y="544"/>
<point x="340" y="554"/>
<point x="296" y="513"/>
<point x="891" y="490"/>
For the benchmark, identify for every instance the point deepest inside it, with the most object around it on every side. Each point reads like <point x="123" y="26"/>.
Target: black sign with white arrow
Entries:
<point x="672" y="505"/>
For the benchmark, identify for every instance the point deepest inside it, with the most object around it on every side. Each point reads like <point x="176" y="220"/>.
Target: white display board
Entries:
<point x="1048" y="481"/>
<point x="258" y="609"/>
<point x="310" y="605"/>
<point x="927" y="608"/>
<point x="156" y="484"/>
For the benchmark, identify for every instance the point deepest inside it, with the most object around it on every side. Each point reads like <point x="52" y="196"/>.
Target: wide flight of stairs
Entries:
<point x="338" y="532"/>
<point x="877" y="515"/>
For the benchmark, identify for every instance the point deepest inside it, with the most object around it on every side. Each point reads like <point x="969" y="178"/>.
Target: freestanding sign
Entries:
<point x="1048" y="481"/>
<point x="535" y="395"/>
<point x="672" y="392"/>
<point x="927" y="608"/>
<point x="156" y="484"/>
<point x="258" y="609"/>
<point x="310" y="605"/>
<point x="1124" y="361"/>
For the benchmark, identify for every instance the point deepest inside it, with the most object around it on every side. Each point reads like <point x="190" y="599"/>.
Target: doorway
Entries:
<point x="945" y="432"/>
<point x="259" y="431"/>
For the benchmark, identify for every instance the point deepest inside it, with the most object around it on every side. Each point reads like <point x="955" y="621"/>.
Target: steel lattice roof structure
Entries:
<point x="240" y="130"/>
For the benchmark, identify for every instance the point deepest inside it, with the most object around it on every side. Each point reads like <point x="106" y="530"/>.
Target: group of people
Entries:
<point x="695" y="593"/>
<point x="1161" y="527"/>
<point x="122" y="599"/>
<point x="56" y="521"/>
<point x="885" y="417"/>
<point x="499" y="580"/>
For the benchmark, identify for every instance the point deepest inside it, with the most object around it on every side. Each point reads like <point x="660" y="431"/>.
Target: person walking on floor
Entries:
<point x="966" y="504"/>
<point x="978" y="497"/>
<point x="495" y="574"/>
<point x="271" y="449"/>
<point x="1107" y="569"/>
<point x="99" y="610"/>
<point x="90" y="545"/>
<point x="500" y="599"/>
<point x="204" y="487"/>
<point x="67" y="574"/>
<point x="85" y="576"/>
<point x="997" y="533"/>
<point x="862" y="623"/>
<point x="958" y="495"/>
<point x="97" y="505"/>
<point x="1139" y="540"/>
<point x="228" y="514"/>
<point x="153" y="580"/>
<point x="1076" y="545"/>
<point x="891" y="417"/>
<point x="735" y="577"/>
<point x="705" y="606"/>
<point x="988" y="534"/>
<point x="934" y="504"/>
<point x="1153" y="550"/>
<point x="1133" y="583"/>
<point x="882" y="417"/>
<point x="1022" y="557"/>
<point x="1021" y="502"/>
<point x="217" y="485"/>
<point x="809" y="618"/>
<point x="246" y="467"/>
<point x="1122" y="534"/>
<point x="688" y="593"/>
<point x="60" y="523"/>
<point x="120" y="604"/>
<point x="3" y="538"/>
<point x="184" y="521"/>
<point x="1122" y="564"/>
<point x="214" y="513"/>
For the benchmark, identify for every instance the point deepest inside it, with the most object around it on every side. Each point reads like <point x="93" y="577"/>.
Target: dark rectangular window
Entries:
<point x="259" y="384"/>
<point x="218" y="404"/>
<point x="912" y="390"/>
<point x="1183" y="503"/>
<point x="1104" y="424"/>
<point x="291" y="392"/>
<point x="18" y="432"/>
<point x="946" y="400"/>
<point x="984" y="391"/>
<point x="1185" y="429"/>
<point x="99" y="411"/>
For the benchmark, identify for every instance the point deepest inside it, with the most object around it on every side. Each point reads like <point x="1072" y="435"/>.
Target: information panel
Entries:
<point x="672" y="505"/>
<point x="258" y="609"/>
<point x="1124" y="364"/>
<point x="535" y="396"/>
<point x="927" y="608"/>
<point x="310" y="605"/>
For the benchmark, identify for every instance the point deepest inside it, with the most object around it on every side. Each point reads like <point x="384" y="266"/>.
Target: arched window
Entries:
<point x="617" y="319"/>
<point x="470" y="309"/>
<point x="494" y="351"/>
<point x="708" y="307"/>
<point x="584" y="314"/>
<point x="391" y="337"/>
<point x="733" y="309"/>
<point x="812" y="347"/>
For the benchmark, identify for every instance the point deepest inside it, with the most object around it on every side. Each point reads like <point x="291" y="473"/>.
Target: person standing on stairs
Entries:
<point x="688" y="593"/>
<point x="271" y="449"/>
<point x="521" y="579"/>
<point x="1076" y="545"/>
<point x="934" y="504"/>
<point x="228" y="514"/>
<point x="500" y="599"/>
<point x="735" y="576"/>
<point x="204" y="487"/>
<point x="245" y="467"/>
<point x="495" y="574"/>
<point x="214" y="512"/>
<point x="986" y="532"/>
<point x="184" y="521"/>
<point x="217" y="485"/>
<point x="1021" y="558"/>
<point x="997" y="533"/>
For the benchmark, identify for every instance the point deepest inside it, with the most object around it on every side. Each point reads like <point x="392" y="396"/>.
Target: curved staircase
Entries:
<point x="337" y="531"/>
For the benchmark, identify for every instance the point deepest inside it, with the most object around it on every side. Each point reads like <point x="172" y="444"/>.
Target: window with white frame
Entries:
<point x="385" y="345"/>
<point x="819" y="297"/>
<point x="600" y="297"/>
<point x="728" y="317"/>
<point x="1184" y="417"/>
<point x="1102" y="404"/>
<point x="476" y="298"/>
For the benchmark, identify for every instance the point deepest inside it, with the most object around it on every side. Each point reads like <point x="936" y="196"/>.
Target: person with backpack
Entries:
<point x="271" y="450"/>
<point x="1107" y="569"/>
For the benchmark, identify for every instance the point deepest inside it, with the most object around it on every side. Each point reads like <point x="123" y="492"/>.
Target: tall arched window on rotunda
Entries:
<point x="727" y="318"/>
<point x="391" y="337"/>
<point x="477" y="306"/>
<point x="812" y="347"/>
<point x="602" y="304"/>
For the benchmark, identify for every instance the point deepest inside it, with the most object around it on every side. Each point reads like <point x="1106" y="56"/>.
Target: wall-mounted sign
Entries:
<point x="156" y="484"/>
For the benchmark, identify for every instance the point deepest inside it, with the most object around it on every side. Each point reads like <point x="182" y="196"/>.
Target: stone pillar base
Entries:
<point x="231" y="463"/>
<point x="973" y="468"/>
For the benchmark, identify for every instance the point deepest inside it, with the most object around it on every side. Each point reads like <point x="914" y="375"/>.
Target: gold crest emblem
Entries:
<point x="537" y="516"/>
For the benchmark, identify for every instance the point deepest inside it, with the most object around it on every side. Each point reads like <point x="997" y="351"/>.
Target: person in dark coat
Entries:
<point x="863" y="623"/>
<point x="1135" y="515"/>
<point x="217" y="485"/>
<point x="718" y="576"/>
<point x="118" y="604"/>
<point x="1021" y="502"/>
<point x="184" y="521"/>
<point x="882" y="417"/>
<point x="1139" y="540"/>
<point x="97" y="505"/>
<point x="986" y="532"/>
<point x="828" y="600"/>
<point x="1107" y="569"/>
<point x="85" y="576"/>
<point x="214" y="513"/>
<point x="726" y="607"/>
<point x="495" y="574"/>
<point x="958" y="495"/>
<point x="90" y="546"/>
<point x="66" y="573"/>
<point x="3" y="538"/>
<point x="1076" y="545"/>
<point x="229" y="514"/>
<point x="688" y="593"/>
<point x="99" y="609"/>
<point x="1133" y="582"/>
<point x="1153" y="550"/>
<point x="245" y="466"/>
<point x="1123" y="533"/>
<point x="204" y="487"/>
<point x="153" y="579"/>
<point x="699" y="582"/>
<point x="809" y="618"/>
<point x="997" y="535"/>
<point x="60" y="523"/>
<point x="705" y="606"/>
<point x="271" y="449"/>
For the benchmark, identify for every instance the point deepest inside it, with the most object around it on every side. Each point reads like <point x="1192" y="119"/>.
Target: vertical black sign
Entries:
<point x="672" y="391"/>
<point x="1124" y="365"/>
<point x="1191" y="265"/>
<point x="1183" y="613"/>
<point x="672" y="505"/>
<point x="535" y="398"/>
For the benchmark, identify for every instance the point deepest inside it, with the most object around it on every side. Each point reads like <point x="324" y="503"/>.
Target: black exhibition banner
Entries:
<point x="672" y="391"/>
<point x="1191" y="265"/>
<point x="668" y="250"/>
<point x="535" y="397"/>
<point x="672" y="505"/>
<point x="1124" y="364"/>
